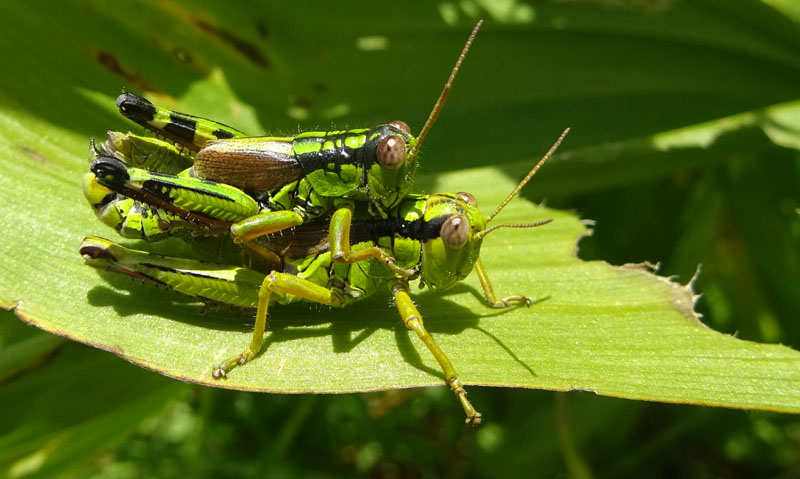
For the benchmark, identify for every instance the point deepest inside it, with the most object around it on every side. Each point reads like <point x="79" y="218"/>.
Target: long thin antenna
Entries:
<point x="528" y="177"/>
<point x="482" y="234"/>
<point x="437" y="107"/>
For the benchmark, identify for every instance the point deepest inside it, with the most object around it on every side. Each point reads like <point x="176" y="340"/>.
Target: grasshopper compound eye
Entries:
<point x="391" y="152"/>
<point x="455" y="231"/>
<point x="400" y="125"/>
<point x="467" y="198"/>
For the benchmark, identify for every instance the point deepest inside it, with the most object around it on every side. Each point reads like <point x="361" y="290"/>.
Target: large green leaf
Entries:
<point x="615" y="330"/>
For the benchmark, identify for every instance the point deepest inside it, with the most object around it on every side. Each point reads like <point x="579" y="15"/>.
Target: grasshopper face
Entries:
<point x="450" y="257"/>
<point x="391" y="174"/>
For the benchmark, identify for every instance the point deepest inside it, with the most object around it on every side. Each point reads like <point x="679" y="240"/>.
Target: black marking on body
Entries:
<point x="203" y="119"/>
<point x="168" y="269"/>
<point x="267" y="201"/>
<point x="327" y="159"/>
<point x="109" y="171"/>
<point x="155" y="187"/>
<point x="222" y="134"/>
<point x="219" y="133"/>
<point x="312" y="236"/>
<point x="301" y="206"/>
<point x="140" y="275"/>
<point x="418" y="230"/>
<point x="155" y="200"/>
<point x="312" y="211"/>
<point x="181" y="127"/>
<point x="107" y="199"/>
<point x="338" y="156"/>
<point x="96" y="252"/>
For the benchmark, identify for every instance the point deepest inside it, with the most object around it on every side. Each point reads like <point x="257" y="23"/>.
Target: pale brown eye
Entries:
<point x="467" y="198"/>
<point x="391" y="152"/>
<point x="400" y="125"/>
<point x="455" y="231"/>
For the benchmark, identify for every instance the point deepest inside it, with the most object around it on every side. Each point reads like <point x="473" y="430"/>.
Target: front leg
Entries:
<point x="488" y="291"/>
<point x="341" y="252"/>
<point x="263" y="223"/>
<point x="413" y="321"/>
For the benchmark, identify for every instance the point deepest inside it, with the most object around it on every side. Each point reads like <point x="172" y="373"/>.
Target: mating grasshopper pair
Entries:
<point x="376" y="239"/>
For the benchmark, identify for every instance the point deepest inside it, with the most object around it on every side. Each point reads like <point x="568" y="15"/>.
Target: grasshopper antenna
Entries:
<point x="514" y="193"/>
<point x="527" y="178"/>
<point x="482" y="234"/>
<point x="437" y="107"/>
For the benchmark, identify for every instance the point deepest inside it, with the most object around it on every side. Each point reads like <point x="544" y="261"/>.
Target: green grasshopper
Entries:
<point x="157" y="203"/>
<point x="300" y="177"/>
<point x="437" y="236"/>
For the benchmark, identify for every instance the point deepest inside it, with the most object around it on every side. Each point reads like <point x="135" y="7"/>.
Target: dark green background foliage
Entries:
<point x="684" y="151"/>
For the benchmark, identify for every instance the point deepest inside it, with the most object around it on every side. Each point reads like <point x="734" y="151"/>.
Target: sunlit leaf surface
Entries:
<point x="618" y="331"/>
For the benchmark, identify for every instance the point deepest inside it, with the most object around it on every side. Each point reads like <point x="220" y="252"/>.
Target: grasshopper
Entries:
<point x="294" y="179"/>
<point x="300" y="177"/>
<point x="437" y="236"/>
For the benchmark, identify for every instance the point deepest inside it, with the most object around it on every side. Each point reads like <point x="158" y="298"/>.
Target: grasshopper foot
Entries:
<point x="475" y="419"/>
<point x="406" y="274"/>
<point x="511" y="301"/>
<point x="473" y="416"/>
<point x="222" y="370"/>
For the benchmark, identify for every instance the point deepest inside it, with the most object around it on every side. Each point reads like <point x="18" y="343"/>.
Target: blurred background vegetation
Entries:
<point x="684" y="151"/>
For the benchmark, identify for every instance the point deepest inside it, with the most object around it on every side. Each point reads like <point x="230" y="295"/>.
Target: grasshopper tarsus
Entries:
<point x="511" y="301"/>
<point x="221" y="370"/>
<point x="474" y="420"/>
<point x="473" y="417"/>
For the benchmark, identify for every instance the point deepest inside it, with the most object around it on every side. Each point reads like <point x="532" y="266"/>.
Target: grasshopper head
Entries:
<point x="390" y="176"/>
<point x="450" y="256"/>
<point x="397" y="152"/>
